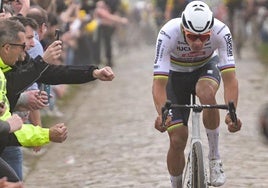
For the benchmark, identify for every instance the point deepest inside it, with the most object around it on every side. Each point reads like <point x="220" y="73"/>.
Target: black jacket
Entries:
<point x="24" y="74"/>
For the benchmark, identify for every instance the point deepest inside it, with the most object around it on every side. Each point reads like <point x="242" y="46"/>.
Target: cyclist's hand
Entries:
<point x="232" y="127"/>
<point x="158" y="123"/>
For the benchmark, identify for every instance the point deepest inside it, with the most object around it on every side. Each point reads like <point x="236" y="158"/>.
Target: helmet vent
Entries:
<point x="198" y="9"/>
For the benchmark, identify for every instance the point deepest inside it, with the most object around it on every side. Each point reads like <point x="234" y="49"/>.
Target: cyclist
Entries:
<point x="193" y="52"/>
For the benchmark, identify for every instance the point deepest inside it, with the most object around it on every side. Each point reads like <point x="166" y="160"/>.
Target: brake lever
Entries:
<point x="165" y="112"/>
<point x="232" y="112"/>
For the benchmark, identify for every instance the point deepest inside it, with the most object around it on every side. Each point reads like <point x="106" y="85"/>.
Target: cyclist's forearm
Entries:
<point x="231" y="92"/>
<point x="159" y="94"/>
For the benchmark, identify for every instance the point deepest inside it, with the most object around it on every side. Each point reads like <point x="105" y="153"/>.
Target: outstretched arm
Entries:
<point x="30" y="135"/>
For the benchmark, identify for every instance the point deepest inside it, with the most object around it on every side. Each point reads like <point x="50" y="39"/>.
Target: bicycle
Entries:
<point x="194" y="175"/>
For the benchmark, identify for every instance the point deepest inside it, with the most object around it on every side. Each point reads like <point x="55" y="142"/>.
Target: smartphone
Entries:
<point x="46" y="88"/>
<point x="57" y="34"/>
<point x="1" y="6"/>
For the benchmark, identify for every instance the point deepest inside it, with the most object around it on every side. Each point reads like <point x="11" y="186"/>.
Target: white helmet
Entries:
<point x="197" y="17"/>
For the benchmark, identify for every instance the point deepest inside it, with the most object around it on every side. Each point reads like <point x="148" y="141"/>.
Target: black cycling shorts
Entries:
<point x="182" y="84"/>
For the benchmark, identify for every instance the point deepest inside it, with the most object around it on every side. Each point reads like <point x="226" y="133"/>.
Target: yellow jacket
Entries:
<point x="28" y="135"/>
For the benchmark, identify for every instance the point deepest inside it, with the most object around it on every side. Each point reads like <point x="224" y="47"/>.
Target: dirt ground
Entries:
<point x="112" y="142"/>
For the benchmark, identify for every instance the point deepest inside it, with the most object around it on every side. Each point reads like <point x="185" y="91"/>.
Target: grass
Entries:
<point x="263" y="53"/>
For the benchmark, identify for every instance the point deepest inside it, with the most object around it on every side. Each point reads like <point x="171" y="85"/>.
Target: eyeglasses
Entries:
<point x="21" y="45"/>
<point x="193" y="37"/>
<point x="10" y="1"/>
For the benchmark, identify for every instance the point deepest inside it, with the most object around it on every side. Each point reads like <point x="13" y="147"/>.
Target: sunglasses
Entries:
<point x="23" y="46"/>
<point x="193" y="37"/>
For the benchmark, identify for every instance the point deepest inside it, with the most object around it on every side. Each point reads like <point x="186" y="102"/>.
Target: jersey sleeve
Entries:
<point x="162" y="53"/>
<point x="225" y="50"/>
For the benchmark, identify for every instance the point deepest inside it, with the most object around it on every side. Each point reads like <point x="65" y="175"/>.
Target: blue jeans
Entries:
<point x="14" y="157"/>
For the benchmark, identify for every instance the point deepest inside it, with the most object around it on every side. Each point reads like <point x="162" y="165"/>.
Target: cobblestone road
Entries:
<point x="112" y="142"/>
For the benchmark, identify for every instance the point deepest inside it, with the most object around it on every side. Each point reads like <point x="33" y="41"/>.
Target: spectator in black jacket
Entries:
<point x="24" y="73"/>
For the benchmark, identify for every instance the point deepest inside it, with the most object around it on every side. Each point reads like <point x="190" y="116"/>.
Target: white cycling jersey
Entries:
<point x="173" y="52"/>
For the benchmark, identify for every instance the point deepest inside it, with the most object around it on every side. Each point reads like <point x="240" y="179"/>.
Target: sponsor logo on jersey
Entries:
<point x="182" y="43"/>
<point x="165" y="34"/>
<point x="183" y="48"/>
<point x="158" y="55"/>
<point x="156" y="66"/>
<point x="210" y="71"/>
<point x="194" y="54"/>
<point x="228" y="40"/>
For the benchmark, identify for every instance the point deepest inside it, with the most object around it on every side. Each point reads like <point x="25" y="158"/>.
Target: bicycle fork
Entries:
<point x="196" y="137"/>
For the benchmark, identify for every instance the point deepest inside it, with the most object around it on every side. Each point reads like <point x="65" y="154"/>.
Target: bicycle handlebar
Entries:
<point x="165" y="111"/>
<point x="232" y="112"/>
<point x="198" y="107"/>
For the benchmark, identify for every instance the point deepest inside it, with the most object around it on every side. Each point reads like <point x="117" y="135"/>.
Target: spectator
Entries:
<point x="18" y="82"/>
<point x="20" y="7"/>
<point x="174" y="8"/>
<point x="105" y="13"/>
<point x="12" y="48"/>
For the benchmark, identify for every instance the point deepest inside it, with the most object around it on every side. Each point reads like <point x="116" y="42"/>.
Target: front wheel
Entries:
<point x="198" y="169"/>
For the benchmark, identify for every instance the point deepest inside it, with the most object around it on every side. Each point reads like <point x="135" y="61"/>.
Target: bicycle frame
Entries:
<point x="195" y="138"/>
<point x="196" y="125"/>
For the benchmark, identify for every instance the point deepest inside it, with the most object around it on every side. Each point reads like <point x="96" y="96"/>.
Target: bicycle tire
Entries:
<point x="7" y="171"/>
<point x="186" y="181"/>
<point x="198" y="167"/>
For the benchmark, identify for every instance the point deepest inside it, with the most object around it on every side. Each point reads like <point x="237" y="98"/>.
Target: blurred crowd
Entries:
<point x="247" y="19"/>
<point x="86" y="29"/>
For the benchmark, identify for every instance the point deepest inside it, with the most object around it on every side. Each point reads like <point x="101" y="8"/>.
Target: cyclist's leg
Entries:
<point x="206" y="89"/>
<point x="175" y="155"/>
<point x="177" y="131"/>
